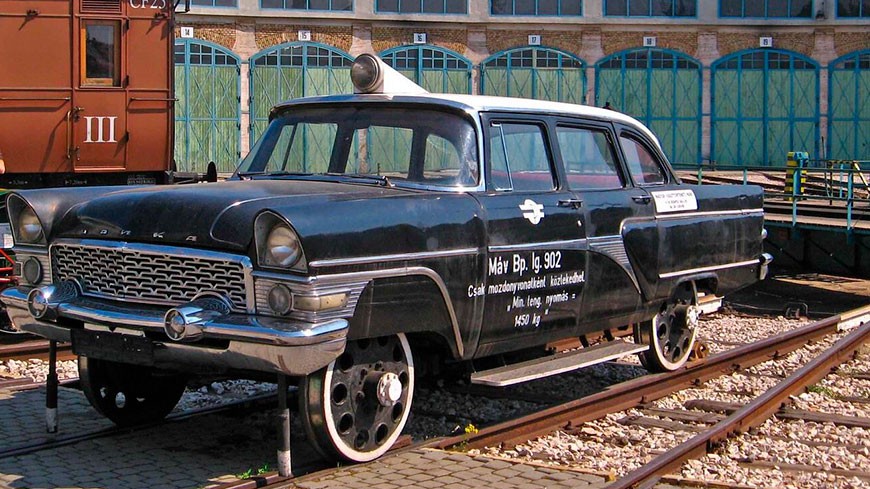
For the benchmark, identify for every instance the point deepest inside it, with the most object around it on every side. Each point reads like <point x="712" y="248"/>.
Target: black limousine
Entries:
<point x="367" y="235"/>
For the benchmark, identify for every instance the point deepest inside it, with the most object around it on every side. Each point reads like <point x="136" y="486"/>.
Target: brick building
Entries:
<point x="736" y="82"/>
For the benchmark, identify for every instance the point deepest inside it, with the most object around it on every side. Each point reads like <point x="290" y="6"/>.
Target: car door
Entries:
<point x="697" y="229"/>
<point x="595" y="177"/>
<point x="536" y="264"/>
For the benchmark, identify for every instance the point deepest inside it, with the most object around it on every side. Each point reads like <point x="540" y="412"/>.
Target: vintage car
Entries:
<point x="369" y="238"/>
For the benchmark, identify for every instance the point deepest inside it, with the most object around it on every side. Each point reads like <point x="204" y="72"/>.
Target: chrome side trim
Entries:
<point x="423" y="255"/>
<point x="613" y="247"/>
<point x="712" y="268"/>
<point x="367" y="276"/>
<point x="570" y="244"/>
<point x="738" y="212"/>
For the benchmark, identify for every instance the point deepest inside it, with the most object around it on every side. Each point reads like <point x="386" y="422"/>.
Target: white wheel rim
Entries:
<point x="350" y="452"/>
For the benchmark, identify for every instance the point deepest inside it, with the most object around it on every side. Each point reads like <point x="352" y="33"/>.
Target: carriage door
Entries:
<point x="98" y="116"/>
<point x="536" y="261"/>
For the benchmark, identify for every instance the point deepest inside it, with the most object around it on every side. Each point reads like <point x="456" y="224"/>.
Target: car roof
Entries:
<point x="479" y="103"/>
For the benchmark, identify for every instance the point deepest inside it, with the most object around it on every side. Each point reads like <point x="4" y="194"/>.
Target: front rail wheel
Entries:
<point x="355" y="407"/>
<point x="671" y="333"/>
<point x="129" y="394"/>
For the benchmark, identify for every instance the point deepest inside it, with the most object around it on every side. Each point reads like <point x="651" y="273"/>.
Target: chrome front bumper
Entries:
<point x="251" y="343"/>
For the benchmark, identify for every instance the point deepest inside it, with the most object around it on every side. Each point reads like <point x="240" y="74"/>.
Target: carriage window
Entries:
<point x="101" y="53"/>
<point x="588" y="157"/>
<point x="519" y="158"/>
<point x="644" y="168"/>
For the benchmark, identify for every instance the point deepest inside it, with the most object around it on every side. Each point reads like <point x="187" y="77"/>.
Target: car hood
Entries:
<point x="214" y="215"/>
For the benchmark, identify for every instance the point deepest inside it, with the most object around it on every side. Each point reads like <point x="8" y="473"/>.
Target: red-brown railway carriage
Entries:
<point x="86" y="91"/>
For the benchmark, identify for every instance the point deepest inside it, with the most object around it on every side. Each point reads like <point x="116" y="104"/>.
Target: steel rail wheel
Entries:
<point x="129" y="394"/>
<point x="671" y="333"/>
<point x="355" y="407"/>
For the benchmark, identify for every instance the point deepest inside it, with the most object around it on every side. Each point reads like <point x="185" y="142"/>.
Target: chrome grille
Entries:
<point x="140" y="274"/>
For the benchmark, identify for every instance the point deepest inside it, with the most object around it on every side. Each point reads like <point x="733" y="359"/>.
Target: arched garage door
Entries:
<point x="438" y="70"/>
<point x="534" y="72"/>
<point x="207" y="87"/>
<point x="849" y="97"/>
<point x="292" y="70"/>
<point x="765" y="104"/>
<point x="660" y="87"/>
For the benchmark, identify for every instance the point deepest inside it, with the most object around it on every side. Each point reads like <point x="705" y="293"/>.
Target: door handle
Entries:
<point x="572" y="203"/>
<point x="641" y="199"/>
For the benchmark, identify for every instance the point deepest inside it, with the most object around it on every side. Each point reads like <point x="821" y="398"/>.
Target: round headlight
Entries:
<point x="32" y="270"/>
<point x="280" y="299"/>
<point x="282" y="247"/>
<point x="29" y="227"/>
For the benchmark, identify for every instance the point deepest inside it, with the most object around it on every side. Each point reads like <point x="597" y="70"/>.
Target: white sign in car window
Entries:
<point x="675" y="200"/>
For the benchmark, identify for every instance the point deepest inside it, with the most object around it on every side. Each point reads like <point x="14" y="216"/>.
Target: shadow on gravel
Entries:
<point x="820" y="295"/>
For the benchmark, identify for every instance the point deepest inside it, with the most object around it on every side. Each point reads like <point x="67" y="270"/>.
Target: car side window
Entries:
<point x="519" y="157"/>
<point x="589" y="158"/>
<point x="644" y="168"/>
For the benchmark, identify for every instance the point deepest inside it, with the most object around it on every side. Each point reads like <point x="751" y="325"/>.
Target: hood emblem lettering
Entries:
<point x="104" y="232"/>
<point x="158" y="235"/>
<point x="532" y="211"/>
<point x="190" y="238"/>
<point x="125" y="232"/>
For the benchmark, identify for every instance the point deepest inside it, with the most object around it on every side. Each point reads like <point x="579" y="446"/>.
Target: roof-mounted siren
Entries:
<point x="371" y="75"/>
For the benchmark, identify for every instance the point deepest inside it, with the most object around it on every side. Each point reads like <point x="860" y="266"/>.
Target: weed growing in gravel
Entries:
<point x="470" y="429"/>
<point x="253" y="472"/>
<point x="822" y="390"/>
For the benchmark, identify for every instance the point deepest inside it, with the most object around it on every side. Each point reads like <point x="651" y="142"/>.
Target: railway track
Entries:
<point x="638" y="394"/>
<point x="28" y="349"/>
<point x="642" y="399"/>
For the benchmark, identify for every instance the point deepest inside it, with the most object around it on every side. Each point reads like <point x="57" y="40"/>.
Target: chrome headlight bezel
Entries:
<point x="27" y="228"/>
<point x="277" y="244"/>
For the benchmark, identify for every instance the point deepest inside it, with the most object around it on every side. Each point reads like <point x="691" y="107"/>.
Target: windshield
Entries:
<point x="390" y="144"/>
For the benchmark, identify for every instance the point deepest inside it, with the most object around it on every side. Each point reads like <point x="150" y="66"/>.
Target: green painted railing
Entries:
<point x="837" y="183"/>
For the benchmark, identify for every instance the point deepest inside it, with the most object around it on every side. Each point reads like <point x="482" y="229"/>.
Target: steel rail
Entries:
<point x="27" y="350"/>
<point x="752" y="414"/>
<point x="649" y="387"/>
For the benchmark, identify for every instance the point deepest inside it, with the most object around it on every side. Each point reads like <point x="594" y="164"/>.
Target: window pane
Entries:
<point x="501" y="7"/>
<point x="409" y="6"/>
<point x="731" y="8"/>
<point x="616" y="7"/>
<point x="641" y="163"/>
<point x="777" y="8"/>
<point x="524" y="7"/>
<point x="638" y="8"/>
<point x="548" y="7"/>
<point x="102" y="54"/>
<point x="388" y="5"/>
<point x="753" y="8"/>
<point x="523" y="156"/>
<point x="571" y="7"/>
<point x="801" y="8"/>
<point x="588" y="158"/>
<point x="273" y="3"/>
<point x="456" y="7"/>
<point x="433" y="6"/>
<point x="663" y="8"/>
<point x="686" y="8"/>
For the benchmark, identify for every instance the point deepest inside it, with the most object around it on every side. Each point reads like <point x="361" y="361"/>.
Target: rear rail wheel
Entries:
<point x="671" y="333"/>
<point x="129" y="394"/>
<point x="356" y="407"/>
